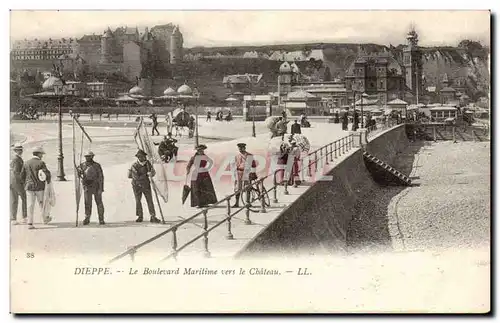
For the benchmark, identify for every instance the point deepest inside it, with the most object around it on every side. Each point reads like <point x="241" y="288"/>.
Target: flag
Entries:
<point x="144" y="142"/>
<point x="78" y="147"/>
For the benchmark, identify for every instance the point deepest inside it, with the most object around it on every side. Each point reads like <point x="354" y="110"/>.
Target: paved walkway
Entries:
<point x="62" y="238"/>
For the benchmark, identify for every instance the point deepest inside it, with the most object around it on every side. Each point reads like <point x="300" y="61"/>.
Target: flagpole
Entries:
<point x="152" y="180"/>
<point x="75" y="173"/>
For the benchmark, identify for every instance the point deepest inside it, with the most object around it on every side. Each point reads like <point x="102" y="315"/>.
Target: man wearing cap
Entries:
<point x="244" y="168"/>
<point x="36" y="174"/>
<point x="140" y="172"/>
<point x="17" y="184"/>
<point x="93" y="185"/>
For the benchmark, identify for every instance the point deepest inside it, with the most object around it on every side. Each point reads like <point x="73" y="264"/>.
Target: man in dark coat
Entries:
<point x="296" y="128"/>
<point x="355" y="123"/>
<point x="345" y="120"/>
<point x="155" y="124"/>
<point x="17" y="185"/>
<point x="140" y="172"/>
<point x="93" y="185"/>
<point x="202" y="188"/>
<point x="36" y="173"/>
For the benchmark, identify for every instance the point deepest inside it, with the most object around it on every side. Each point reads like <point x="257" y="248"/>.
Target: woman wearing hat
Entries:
<point x="202" y="188"/>
<point x="140" y="172"/>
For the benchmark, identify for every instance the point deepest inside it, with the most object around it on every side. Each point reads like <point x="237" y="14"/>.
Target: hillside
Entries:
<point x="468" y="61"/>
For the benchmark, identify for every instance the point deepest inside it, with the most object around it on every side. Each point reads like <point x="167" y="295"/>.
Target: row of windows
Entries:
<point x="38" y="52"/>
<point x="35" y="57"/>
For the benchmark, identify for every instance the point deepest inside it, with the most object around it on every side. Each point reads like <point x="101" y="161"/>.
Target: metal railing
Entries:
<point x="328" y="153"/>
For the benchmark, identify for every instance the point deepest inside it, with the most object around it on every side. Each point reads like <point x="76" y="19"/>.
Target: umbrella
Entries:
<point x="302" y="142"/>
<point x="185" y="191"/>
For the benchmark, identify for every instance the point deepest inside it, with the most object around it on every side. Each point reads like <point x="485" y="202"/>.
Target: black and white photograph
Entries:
<point x="196" y="161"/>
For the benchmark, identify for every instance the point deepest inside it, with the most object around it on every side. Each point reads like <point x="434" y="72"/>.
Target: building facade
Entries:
<point x="41" y="49"/>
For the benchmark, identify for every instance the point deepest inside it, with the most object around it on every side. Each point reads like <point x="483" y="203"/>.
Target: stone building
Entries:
<point x="126" y="50"/>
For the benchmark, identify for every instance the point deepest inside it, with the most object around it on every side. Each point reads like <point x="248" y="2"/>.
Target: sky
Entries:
<point x="229" y="28"/>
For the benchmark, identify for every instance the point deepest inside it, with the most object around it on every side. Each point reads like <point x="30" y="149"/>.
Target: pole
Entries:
<point x="75" y="174"/>
<point x="60" y="157"/>
<point x="253" y="119"/>
<point x="196" y="129"/>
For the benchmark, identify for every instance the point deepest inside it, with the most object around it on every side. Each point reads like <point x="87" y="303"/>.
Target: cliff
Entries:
<point x="467" y="62"/>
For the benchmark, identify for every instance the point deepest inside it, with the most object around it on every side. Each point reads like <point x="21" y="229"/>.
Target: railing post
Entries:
<point x="331" y="152"/>
<point x="326" y="156"/>
<point x="286" y="182"/>
<point x="343" y="145"/>
<point x="174" y="243"/>
<point x="454" y="138"/>
<point x="132" y="253"/>
<point x="316" y="161"/>
<point x="335" y="146"/>
<point x="205" y="236"/>
<point x="262" y="198"/>
<point x="275" y="189"/>
<point x="229" y="233"/>
<point x="247" y="212"/>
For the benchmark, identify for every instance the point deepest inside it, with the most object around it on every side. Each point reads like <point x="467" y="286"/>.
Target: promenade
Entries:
<point x="115" y="149"/>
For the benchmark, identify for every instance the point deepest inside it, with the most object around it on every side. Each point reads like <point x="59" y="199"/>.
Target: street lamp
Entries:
<point x="253" y="114"/>
<point x="56" y="84"/>
<point x="196" y="95"/>
<point x="364" y="96"/>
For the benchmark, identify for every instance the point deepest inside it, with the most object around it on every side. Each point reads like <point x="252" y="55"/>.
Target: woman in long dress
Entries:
<point x="202" y="188"/>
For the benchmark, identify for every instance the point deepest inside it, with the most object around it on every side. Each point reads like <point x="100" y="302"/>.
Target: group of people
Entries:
<point x="202" y="189"/>
<point x="28" y="182"/>
<point x="219" y="116"/>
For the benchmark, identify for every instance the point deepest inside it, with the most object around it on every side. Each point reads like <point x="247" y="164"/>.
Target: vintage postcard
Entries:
<point x="250" y="162"/>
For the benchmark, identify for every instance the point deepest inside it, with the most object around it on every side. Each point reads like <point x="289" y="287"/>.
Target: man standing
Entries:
<point x="209" y="116"/>
<point x="36" y="174"/>
<point x="93" y="185"/>
<point x="296" y="128"/>
<point x="17" y="185"/>
<point x="244" y="168"/>
<point x="140" y="172"/>
<point x="155" y="124"/>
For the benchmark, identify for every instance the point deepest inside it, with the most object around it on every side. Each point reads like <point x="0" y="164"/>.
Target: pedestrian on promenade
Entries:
<point x="140" y="172"/>
<point x="155" y="125"/>
<point x="244" y="170"/>
<point x="355" y="123"/>
<point x="37" y="176"/>
<point x="17" y="179"/>
<point x="281" y="126"/>
<point x="209" y="116"/>
<point x="283" y="114"/>
<point x="202" y="188"/>
<point x="345" y="121"/>
<point x="295" y="128"/>
<point x="295" y="155"/>
<point x="93" y="185"/>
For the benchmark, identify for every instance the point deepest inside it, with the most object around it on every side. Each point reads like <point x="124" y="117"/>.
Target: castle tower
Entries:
<point x="106" y="47"/>
<point x="176" y="43"/>
<point x="412" y="61"/>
